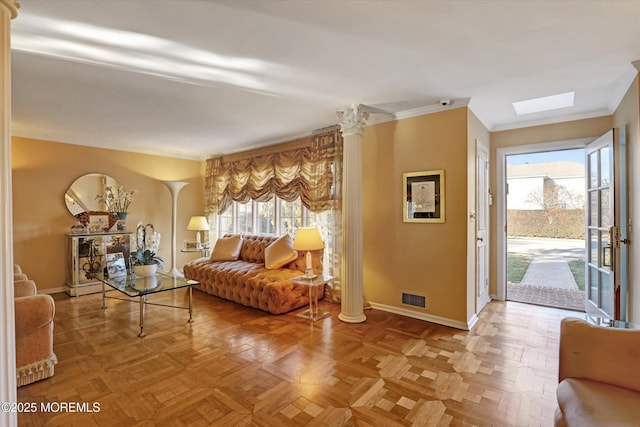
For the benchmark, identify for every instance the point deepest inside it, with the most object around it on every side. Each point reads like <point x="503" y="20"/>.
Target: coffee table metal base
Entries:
<point x="143" y="302"/>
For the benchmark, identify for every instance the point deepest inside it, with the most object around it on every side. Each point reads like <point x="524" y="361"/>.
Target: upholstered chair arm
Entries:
<point x="17" y="269"/>
<point x="606" y="355"/>
<point x="33" y="312"/>
<point x="24" y="288"/>
<point x="19" y="276"/>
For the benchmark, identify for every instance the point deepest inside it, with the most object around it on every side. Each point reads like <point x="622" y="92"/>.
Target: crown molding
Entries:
<point x="624" y="83"/>
<point x="377" y="118"/>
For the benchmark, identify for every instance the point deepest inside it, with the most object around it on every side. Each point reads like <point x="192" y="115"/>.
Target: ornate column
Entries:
<point x="8" y="11"/>
<point x="352" y="120"/>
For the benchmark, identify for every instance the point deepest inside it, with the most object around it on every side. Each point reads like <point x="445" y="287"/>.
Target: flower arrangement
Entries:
<point x="116" y="200"/>
<point x="145" y="245"/>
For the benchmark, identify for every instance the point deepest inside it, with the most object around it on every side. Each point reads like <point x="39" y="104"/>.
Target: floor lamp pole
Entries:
<point x="174" y="187"/>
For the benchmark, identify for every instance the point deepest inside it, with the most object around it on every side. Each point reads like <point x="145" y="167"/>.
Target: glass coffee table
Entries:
<point x="141" y="287"/>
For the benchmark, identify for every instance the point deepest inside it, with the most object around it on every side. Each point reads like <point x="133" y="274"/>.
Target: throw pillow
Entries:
<point x="279" y="253"/>
<point x="227" y="249"/>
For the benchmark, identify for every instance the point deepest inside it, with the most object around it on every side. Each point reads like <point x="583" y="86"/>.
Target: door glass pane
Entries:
<point x="593" y="169"/>
<point x="593" y="285"/>
<point x="593" y="208"/>
<point x="604" y="166"/>
<point x="605" y="219"/>
<point x="593" y="247"/>
<point x="606" y="290"/>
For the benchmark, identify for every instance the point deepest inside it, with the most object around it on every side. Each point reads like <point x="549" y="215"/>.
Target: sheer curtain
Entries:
<point x="311" y="170"/>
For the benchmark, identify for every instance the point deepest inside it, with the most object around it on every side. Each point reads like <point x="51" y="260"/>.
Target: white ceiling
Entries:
<point x="195" y="78"/>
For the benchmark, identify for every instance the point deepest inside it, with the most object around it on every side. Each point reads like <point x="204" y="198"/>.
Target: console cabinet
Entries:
<point x="86" y="261"/>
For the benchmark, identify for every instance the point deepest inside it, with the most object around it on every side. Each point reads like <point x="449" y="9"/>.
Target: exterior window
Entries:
<point x="275" y="217"/>
<point x="245" y="217"/>
<point x="225" y="222"/>
<point x="290" y="216"/>
<point x="266" y="217"/>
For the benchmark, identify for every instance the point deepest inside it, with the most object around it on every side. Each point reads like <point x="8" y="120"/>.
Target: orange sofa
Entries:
<point x="247" y="281"/>
<point x="599" y="375"/>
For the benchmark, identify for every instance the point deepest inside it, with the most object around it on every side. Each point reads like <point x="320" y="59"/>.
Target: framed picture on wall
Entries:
<point x="423" y="196"/>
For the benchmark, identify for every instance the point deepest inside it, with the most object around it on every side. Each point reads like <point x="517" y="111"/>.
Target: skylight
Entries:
<point x="545" y="103"/>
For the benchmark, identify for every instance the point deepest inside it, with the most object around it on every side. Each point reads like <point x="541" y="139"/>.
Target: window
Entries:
<point x="290" y="216"/>
<point x="225" y="222"/>
<point x="266" y="217"/>
<point x="244" y="214"/>
<point x="275" y="217"/>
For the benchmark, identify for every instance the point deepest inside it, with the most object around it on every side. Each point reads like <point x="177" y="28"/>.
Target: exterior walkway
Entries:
<point x="549" y="282"/>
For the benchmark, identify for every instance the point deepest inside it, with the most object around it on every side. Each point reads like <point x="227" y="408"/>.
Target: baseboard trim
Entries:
<point x="51" y="290"/>
<point x="423" y="316"/>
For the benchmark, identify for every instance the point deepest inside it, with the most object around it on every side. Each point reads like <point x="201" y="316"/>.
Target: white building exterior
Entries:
<point x="536" y="185"/>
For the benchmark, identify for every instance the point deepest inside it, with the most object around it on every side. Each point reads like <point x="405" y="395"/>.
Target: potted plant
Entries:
<point x="144" y="258"/>
<point x="117" y="200"/>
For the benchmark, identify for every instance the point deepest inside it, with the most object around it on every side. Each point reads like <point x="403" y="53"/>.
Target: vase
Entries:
<point x="145" y="270"/>
<point x="121" y="225"/>
<point x="147" y="283"/>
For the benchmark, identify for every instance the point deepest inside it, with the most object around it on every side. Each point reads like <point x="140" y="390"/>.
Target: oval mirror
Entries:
<point x="80" y="198"/>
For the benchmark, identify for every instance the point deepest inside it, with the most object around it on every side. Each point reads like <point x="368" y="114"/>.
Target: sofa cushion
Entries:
<point x="279" y="253"/>
<point x="588" y="403"/>
<point x="227" y="248"/>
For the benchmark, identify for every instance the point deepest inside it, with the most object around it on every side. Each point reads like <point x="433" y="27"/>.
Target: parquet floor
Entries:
<point x="236" y="366"/>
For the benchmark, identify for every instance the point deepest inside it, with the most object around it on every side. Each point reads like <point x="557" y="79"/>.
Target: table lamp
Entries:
<point x="308" y="239"/>
<point x="198" y="223"/>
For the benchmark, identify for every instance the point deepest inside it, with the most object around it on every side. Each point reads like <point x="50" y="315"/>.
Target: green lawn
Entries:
<point x="517" y="265"/>
<point x="577" y="269"/>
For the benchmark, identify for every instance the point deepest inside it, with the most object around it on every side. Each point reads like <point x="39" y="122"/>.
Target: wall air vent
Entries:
<point x="414" y="300"/>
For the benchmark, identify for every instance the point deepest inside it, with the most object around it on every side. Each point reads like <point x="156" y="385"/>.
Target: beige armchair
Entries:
<point x="599" y="375"/>
<point x="34" y="314"/>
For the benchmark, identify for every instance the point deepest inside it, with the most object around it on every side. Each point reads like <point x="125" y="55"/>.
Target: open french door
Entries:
<point x="602" y="233"/>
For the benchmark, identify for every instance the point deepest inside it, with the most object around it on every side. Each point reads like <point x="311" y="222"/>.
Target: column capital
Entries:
<point x="352" y="119"/>
<point x="12" y="6"/>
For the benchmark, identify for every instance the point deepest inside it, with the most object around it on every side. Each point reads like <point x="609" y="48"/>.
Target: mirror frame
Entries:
<point x="80" y="199"/>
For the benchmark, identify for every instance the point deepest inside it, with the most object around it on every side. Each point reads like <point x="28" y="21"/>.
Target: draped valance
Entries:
<point x="307" y="172"/>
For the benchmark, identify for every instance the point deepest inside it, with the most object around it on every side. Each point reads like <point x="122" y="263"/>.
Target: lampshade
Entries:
<point x="198" y="223"/>
<point x="308" y="239"/>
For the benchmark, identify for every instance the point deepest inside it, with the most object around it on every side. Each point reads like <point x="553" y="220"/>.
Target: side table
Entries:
<point x="609" y="323"/>
<point x="314" y="284"/>
<point x="203" y="250"/>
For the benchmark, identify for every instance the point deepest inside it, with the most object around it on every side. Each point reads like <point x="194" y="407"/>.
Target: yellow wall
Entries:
<point x="42" y="172"/>
<point x="427" y="259"/>
<point x="628" y="116"/>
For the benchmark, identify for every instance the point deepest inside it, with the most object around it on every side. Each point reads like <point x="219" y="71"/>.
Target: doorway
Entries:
<point x="545" y="228"/>
<point x="542" y="213"/>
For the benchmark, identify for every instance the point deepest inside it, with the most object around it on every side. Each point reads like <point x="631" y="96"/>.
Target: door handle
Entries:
<point x="611" y="264"/>
<point x="606" y="249"/>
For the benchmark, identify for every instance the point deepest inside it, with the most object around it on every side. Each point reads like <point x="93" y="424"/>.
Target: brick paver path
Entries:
<point x="542" y="295"/>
